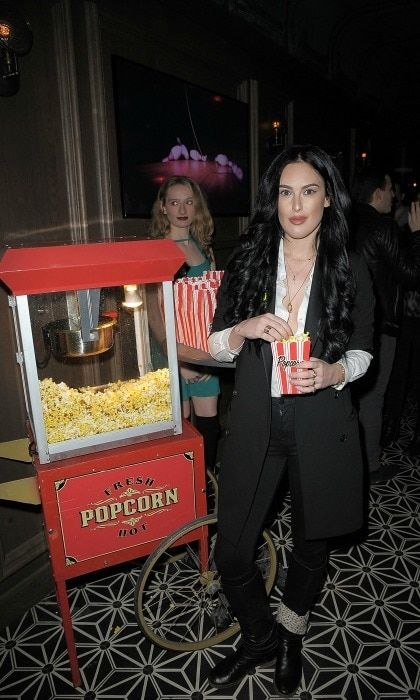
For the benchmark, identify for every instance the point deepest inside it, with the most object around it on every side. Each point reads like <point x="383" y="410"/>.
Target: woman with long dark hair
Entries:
<point x="290" y="274"/>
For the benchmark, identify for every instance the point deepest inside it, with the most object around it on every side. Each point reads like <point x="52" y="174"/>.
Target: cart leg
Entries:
<point x="203" y="548"/>
<point x="63" y="603"/>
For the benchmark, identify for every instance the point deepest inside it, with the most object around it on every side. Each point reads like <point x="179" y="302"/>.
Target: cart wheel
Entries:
<point x="212" y="489"/>
<point x="179" y="604"/>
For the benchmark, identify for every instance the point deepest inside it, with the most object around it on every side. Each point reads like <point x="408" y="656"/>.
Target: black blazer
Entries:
<point x="326" y="428"/>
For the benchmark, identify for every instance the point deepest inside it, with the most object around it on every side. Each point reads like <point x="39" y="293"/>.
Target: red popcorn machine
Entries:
<point x="117" y="468"/>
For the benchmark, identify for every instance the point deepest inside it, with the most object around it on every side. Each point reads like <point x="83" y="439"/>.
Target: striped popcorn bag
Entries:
<point x="195" y="303"/>
<point x="286" y="355"/>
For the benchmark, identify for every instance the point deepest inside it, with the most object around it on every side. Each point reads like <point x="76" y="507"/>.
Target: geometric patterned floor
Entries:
<point x="363" y="641"/>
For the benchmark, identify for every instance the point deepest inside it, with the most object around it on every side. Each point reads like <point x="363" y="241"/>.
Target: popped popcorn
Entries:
<point x="300" y="338"/>
<point x="74" y="413"/>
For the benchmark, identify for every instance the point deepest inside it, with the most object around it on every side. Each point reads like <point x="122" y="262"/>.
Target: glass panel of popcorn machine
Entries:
<point x="100" y="364"/>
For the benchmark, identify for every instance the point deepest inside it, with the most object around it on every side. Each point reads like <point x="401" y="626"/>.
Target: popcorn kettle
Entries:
<point x="84" y="332"/>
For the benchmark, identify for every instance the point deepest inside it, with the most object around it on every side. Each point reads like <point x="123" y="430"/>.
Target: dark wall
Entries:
<point x="192" y="40"/>
<point x="33" y="200"/>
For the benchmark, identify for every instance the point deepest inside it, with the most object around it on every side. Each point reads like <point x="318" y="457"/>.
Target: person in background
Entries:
<point x="401" y="207"/>
<point x="392" y="265"/>
<point x="290" y="273"/>
<point x="180" y="213"/>
<point x="405" y="375"/>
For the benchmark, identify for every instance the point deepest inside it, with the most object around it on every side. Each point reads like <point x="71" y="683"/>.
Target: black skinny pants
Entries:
<point x="306" y="569"/>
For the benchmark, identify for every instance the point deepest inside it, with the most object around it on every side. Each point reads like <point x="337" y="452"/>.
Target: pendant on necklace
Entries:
<point x="289" y="307"/>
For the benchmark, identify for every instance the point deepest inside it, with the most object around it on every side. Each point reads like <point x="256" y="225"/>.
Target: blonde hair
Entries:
<point x="202" y="226"/>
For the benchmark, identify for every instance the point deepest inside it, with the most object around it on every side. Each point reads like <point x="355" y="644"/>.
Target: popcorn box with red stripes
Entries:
<point x="195" y="304"/>
<point x="286" y="355"/>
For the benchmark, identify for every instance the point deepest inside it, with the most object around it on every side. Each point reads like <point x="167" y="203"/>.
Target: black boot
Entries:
<point x="209" y="428"/>
<point x="289" y="662"/>
<point x="302" y="584"/>
<point x="258" y="645"/>
<point x="251" y="652"/>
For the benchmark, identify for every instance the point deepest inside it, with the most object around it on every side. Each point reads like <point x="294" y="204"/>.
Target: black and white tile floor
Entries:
<point x="363" y="642"/>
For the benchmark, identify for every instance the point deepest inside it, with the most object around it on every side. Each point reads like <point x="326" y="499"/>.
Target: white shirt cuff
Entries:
<point x="219" y="346"/>
<point x="356" y="364"/>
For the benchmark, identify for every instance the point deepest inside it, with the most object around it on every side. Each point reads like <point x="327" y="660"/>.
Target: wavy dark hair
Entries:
<point x="253" y="266"/>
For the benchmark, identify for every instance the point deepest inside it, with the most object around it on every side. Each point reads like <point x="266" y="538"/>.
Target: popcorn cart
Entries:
<point x="116" y="466"/>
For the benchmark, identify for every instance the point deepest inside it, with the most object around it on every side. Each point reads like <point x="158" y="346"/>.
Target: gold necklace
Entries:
<point x="302" y="260"/>
<point x="289" y="306"/>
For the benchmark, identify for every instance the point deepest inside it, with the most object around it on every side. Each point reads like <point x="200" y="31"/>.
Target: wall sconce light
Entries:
<point x="15" y="40"/>
<point x="276" y="141"/>
<point x="132" y="297"/>
<point x="363" y="159"/>
<point x="276" y="127"/>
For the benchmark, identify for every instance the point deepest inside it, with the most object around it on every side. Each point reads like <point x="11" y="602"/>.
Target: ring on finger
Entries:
<point x="267" y="330"/>
<point x="314" y="373"/>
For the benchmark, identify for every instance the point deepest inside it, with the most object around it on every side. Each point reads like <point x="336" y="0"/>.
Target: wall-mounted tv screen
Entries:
<point x="167" y="127"/>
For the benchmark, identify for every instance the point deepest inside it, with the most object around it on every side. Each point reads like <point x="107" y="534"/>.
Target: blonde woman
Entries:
<point x="180" y="212"/>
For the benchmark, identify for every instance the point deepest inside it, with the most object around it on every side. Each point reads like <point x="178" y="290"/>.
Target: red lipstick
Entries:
<point x="297" y="219"/>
